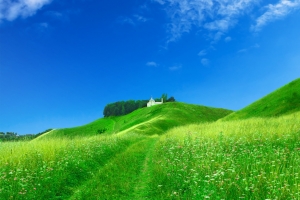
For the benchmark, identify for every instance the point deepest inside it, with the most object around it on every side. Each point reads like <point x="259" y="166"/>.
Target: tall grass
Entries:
<point x="246" y="159"/>
<point x="121" y="177"/>
<point x="53" y="169"/>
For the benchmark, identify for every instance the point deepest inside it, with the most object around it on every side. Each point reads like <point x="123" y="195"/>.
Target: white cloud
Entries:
<point x="245" y="50"/>
<point x="213" y="15"/>
<point x="12" y="9"/>
<point x="140" y="18"/>
<point x="219" y="25"/>
<point x="242" y="51"/>
<point x="218" y="16"/>
<point x="126" y="20"/>
<point x="160" y="1"/>
<point x="275" y="11"/>
<point x="202" y="53"/>
<point x="152" y="64"/>
<point x="204" y="61"/>
<point x="175" y="67"/>
<point x="227" y="39"/>
<point x="134" y="20"/>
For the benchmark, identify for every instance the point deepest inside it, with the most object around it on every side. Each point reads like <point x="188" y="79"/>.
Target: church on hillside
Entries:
<point x="152" y="102"/>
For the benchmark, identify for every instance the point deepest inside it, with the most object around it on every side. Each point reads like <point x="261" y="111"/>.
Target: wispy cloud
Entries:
<point x="133" y="20"/>
<point x="227" y="39"/>
<point x="245" y="50"/>
<point x="175" y="67"/>
<point x="60" y="16"/>
<point x="242" y="51"/>
<point x="204" y="61"/>
<point x="202" y="53"/>
<point x="12" y="9"/>
<point x="218" y="16"/>
<point x="152" y="64"/>
<point x="213" y="15"/>
<point x="140" y="18"/>
<point x="275" y="11"/>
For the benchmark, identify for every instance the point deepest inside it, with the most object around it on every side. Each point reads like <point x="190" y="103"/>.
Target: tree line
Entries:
<point x="125" y="107"/>
<point x="12" y="136"/>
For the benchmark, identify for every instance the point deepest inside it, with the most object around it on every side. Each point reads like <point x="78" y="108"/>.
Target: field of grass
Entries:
<point x="54" y="168"/>
<point x="285" y="100"/>
<point x="256" y="158"/>
<point x="246" y="159"/>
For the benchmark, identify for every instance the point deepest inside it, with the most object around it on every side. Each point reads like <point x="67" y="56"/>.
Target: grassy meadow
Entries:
<point x="245" y="159"/>
<point x="169" y="151"/>
<point x="53" y="169"/>
<point x="256" y="158"/>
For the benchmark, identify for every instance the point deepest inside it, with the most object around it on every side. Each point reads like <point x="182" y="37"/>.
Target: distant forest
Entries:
<point x="11" y="136"/>
<point x="124" y="107"/>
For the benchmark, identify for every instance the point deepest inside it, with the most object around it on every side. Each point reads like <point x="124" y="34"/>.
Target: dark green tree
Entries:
<point x="164" y="96"/>
<point x="171" y="99"/>
<point x="123" y="107"/>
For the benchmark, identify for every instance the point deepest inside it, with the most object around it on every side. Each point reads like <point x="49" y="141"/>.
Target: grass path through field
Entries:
<point x="141" y="187"/>
<point x="122" y="176"/>
<point x="139" y="125"/>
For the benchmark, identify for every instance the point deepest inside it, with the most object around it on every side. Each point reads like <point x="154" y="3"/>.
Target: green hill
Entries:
<point x="148" y="121"/>
<point x="285" y="100"/>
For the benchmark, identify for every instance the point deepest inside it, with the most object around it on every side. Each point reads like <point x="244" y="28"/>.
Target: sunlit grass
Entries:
<point x="285" y="100"/>
<point x="248" y="159"/>
<point x="52" y="168"/>
<point x="121" y="177"/>
<point x="256" y="158"/>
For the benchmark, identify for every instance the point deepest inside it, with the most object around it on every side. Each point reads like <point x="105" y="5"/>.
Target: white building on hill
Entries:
<point x="152" y="102"/>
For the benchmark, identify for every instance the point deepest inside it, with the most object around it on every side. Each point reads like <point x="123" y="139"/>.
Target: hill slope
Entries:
<point x="149" y="121"/>
<point x="284" y="100"/>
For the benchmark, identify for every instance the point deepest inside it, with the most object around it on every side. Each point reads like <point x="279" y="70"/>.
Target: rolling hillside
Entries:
<point x="164" y="152"/>
<point x="148" y="121"/>
<point x="285" y="100"/>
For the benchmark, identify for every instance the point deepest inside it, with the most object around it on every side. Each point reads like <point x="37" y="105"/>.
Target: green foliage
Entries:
<point x="8" y="136"/>
<point x="123" y="107"/>
<point x="11" y="136"/>
<point x="283" y="101"/>
<point x="164" y="96"/>
<point x="100" y="131"/>
<point x="171" y="99"/>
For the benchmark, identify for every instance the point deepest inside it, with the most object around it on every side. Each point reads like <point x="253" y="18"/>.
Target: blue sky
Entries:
<point x="62" y="61"/>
